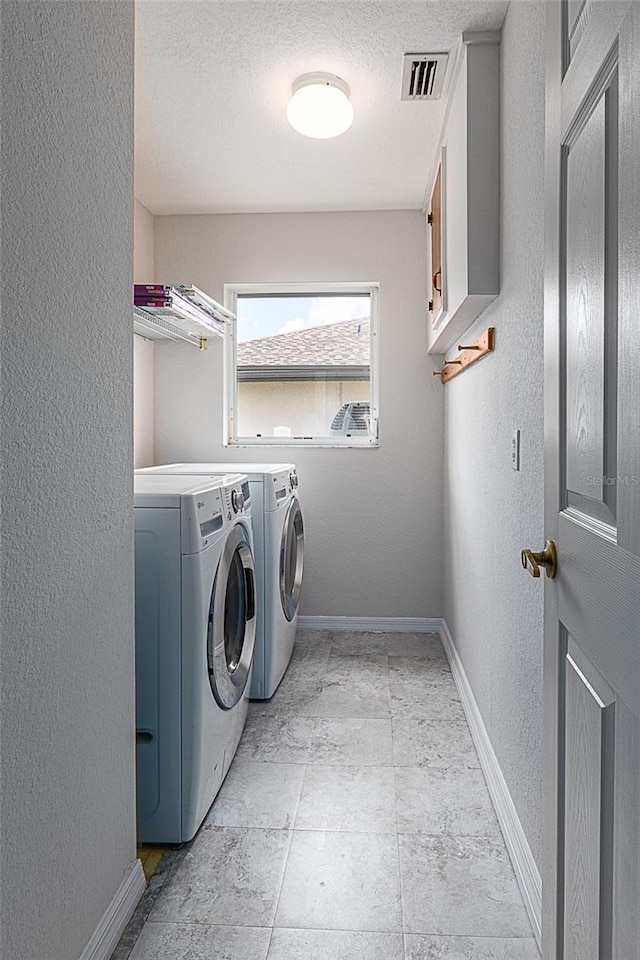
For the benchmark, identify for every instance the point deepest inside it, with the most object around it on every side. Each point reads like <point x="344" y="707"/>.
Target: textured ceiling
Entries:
<point x="213" y="78"/>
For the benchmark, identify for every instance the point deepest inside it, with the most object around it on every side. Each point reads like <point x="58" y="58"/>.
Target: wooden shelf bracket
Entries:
<point x="469" y="353"/>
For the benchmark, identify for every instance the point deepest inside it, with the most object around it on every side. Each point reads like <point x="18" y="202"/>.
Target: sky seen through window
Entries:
<point x="260" y="317"/>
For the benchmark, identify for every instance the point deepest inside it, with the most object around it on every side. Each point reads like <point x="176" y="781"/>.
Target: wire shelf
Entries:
<point x="160" y="328"/>
<point x="170" y="325"/>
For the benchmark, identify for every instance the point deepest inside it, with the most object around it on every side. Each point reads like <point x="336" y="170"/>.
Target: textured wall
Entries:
<point x="373" y="517"/>
<point x="143" y="350"/>
<point x="493" y="609"/>
<point x="67" y="708"/>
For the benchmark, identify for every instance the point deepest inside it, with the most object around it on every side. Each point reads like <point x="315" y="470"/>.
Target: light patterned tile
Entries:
<point x="334" y="945"/>
<point x="258" y="794"/>
<point x="433" y="669"/>
<point x="190" y="941"/>
<point x="341" y="881"/>
<point x="372" y="669"/>
<point x="295" y="697"/>
<point x="347" y="798"/>
<point x="312" y="639"/>
<point x="319" y="755"/>
<point x="310" y="666"/>
<point x="438" y="743"/>
<point x="281" y="739"/>
<point x="422" y="699"/>
<point x="450" y="800"/>
<point x="349" y="698"/>
<point x="391" y="644"/>
<point x="312" y="646"/>
<point x="460" y="886"/>
<point x="352" y="741"/>
<point x="470" y="948"/>
<point x="231" y="876"/>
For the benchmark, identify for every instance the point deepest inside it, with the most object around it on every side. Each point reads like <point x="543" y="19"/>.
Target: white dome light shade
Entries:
<point x="320" y="106"/>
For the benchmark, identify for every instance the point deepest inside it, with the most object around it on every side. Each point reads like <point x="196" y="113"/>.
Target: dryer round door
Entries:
<point x="231" y="629"/>
<point x="291" y="559"/>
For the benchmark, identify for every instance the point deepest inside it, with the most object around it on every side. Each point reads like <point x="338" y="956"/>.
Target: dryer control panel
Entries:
<point x="280" y="487"/>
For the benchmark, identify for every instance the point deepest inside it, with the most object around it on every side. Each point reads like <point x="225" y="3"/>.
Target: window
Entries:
<point x="301" y="364"/>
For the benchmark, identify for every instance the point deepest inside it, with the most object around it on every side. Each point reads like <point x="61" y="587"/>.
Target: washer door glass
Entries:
<point x="291" y="560"/>
<point x="231" y="629"/>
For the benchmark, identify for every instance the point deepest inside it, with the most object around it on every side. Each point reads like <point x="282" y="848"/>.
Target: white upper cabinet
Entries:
<point x="464" y="200"/>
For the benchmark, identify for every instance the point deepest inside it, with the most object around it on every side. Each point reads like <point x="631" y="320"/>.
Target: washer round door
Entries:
<point x="291" y="559"/>
<point x="231" y="629"/>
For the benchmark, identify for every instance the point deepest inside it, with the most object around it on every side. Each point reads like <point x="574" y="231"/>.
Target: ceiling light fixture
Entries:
<point x="320" y="106"/>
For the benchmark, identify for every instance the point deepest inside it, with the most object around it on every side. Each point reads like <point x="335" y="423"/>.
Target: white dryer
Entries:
<point x="279" y="551"/>
<point x="195" y="635"/>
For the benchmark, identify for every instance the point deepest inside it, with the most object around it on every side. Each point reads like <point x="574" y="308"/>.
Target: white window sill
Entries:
<point x="324" y="444"/>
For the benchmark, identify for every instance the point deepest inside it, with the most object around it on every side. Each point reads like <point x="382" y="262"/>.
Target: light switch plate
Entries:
<point x="515" y="450"/>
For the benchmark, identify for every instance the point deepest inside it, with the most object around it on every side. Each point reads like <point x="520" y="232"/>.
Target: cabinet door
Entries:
<point x="435" y="220"/>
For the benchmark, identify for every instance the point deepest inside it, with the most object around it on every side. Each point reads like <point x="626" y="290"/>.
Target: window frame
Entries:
<point x="307" y="289"/>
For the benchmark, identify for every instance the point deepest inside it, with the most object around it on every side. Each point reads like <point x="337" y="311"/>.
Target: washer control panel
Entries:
<point x="237" y="497"/>
<point x="207" y="513"/>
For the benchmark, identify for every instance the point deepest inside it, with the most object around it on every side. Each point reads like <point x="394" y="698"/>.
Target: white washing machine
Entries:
<point x="279" y="551"/>
<point x="195" y="636"/>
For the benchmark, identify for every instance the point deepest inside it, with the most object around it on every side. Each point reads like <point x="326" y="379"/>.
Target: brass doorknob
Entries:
<point x="548" y="558"/>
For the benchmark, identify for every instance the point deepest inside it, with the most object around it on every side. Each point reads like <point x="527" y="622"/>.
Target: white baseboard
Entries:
<point x="111" y="927"/>
<point x="527" y="873"/>
<point x="372" y="624"/>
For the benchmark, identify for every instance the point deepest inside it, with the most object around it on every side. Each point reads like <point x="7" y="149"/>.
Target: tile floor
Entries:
<point x="354" y="824"/>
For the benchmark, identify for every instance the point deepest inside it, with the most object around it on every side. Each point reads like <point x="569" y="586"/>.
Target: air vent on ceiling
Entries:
<point x="423" y="75"/>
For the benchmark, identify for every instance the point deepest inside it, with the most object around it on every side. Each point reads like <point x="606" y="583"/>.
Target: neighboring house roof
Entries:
<point x="344" y="344"/>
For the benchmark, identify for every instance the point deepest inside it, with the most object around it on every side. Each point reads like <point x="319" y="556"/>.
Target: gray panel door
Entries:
<point x="591" y="883"/>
